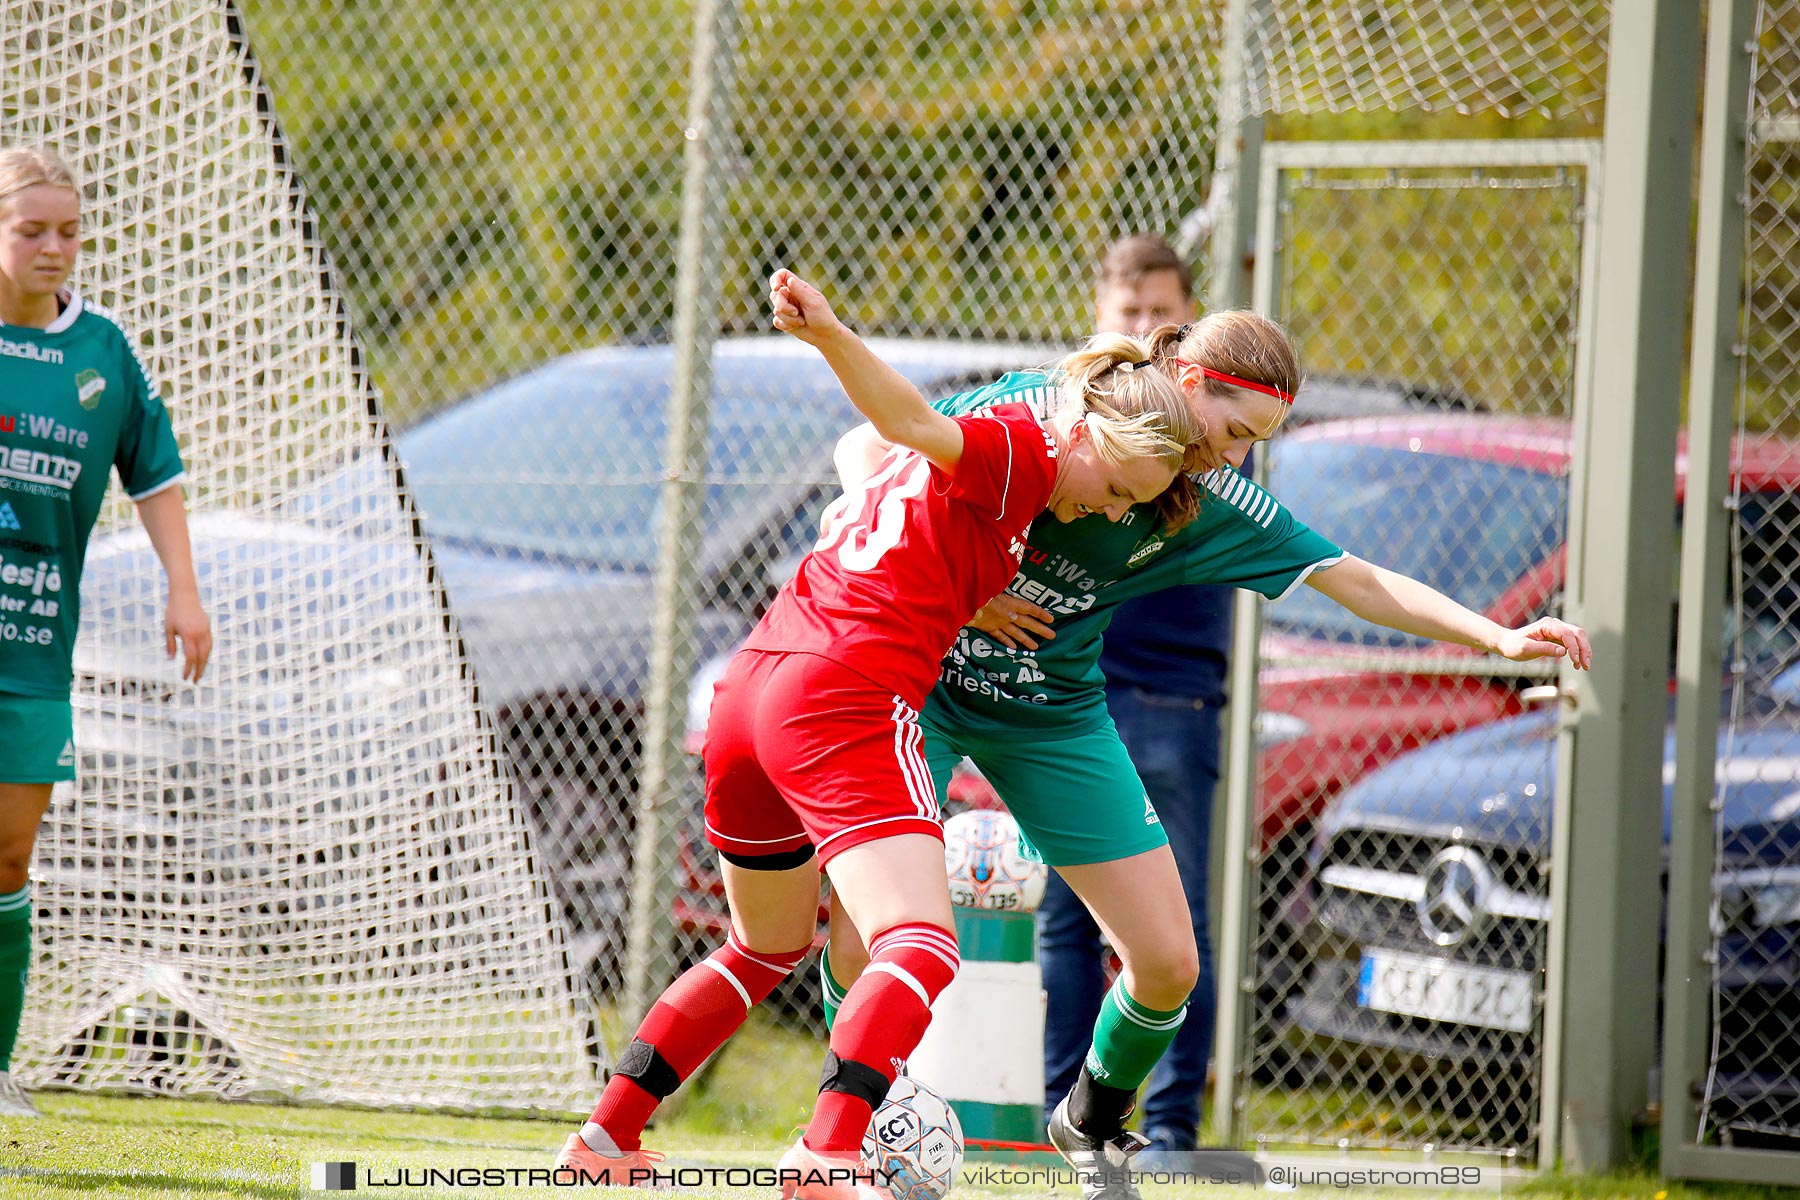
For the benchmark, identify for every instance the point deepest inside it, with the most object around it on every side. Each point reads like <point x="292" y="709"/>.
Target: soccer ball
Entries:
<point x="915" y="1144"/>
<point x="986" y="869"/>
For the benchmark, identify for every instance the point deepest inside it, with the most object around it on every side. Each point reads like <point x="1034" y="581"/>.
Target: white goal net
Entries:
<point x="306" y="877"/>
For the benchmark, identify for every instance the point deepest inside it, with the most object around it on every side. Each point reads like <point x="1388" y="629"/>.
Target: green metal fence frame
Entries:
<point x="1716" y="375"/>
<point x="1238" y="854"/>
<point x="1608" y="819"/>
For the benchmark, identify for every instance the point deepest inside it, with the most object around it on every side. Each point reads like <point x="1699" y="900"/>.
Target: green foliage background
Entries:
<point x="498" y="183"/>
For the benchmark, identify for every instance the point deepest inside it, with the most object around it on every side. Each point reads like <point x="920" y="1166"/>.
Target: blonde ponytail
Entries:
<point x="1132" y="409"/>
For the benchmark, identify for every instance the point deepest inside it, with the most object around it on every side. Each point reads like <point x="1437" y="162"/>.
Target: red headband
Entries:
<point x="1266" y="389"/>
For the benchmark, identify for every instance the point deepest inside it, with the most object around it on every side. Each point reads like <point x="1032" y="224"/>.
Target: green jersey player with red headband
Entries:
<point x="1022" y="694"/>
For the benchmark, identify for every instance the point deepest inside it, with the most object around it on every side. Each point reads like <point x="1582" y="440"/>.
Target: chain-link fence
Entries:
<point x="504" y="198"/>
<point x="1751" y="1091"/>
<point x="498" y="187"/>
<point x="1385" y="1014"/>
<point x="501" y="194"/>
<point x="1507" y="60"/>
<point x="1400" y="943"/>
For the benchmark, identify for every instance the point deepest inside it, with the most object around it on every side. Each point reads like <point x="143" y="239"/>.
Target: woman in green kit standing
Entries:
<point x="74" y="404"/>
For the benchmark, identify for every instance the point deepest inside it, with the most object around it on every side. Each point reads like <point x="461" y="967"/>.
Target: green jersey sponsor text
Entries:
<point x="1082" y="570"/>
<point x="74" y="404"/>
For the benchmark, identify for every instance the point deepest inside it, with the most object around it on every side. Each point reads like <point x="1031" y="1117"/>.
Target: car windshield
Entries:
<point x="1468" y="527"/>
<point x="562" y="463"/>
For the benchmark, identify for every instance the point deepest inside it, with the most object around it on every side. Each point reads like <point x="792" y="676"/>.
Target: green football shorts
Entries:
<point x="1077" y="799"/>
<point x="37" y="740"/>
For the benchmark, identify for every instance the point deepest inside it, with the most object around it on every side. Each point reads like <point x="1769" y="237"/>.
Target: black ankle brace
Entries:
<point x="649" y="1070"/>
<point x="853" y="1079"/>
<point x="1098" y="1109"/>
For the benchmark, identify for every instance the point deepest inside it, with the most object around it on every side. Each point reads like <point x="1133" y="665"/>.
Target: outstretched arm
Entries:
<point x="1400" y="602"/>
<point x="165" y="519"/>
<point x="892" y="404"/>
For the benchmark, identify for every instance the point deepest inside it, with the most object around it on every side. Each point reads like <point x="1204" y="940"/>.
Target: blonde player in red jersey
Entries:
<point x="814" y="759"/>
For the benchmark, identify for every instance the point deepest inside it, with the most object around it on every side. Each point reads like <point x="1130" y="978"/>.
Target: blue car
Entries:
<point x="1425" y="914"/>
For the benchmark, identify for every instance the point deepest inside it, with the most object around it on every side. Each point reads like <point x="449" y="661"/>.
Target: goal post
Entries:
<point x="306" y="878"/>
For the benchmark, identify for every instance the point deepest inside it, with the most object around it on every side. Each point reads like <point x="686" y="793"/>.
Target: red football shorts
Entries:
<point x="802" y="750"/>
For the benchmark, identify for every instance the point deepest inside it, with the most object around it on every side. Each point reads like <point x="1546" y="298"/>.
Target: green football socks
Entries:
<point x="15" y="961"/>
<point x="1129" y="1039"/>
<point x="831" y="992"/>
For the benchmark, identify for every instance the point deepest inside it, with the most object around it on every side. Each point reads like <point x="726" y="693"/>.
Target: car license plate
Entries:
<point x="1418" y="985"/>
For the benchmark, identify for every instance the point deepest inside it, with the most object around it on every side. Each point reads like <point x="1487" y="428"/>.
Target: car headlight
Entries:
<point x="1273" y="728"/>
<point x="1756" y="900"/>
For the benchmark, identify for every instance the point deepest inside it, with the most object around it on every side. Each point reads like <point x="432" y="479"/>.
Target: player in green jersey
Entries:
<point x="74" y="404"/>
<point x="1027" y="703"/>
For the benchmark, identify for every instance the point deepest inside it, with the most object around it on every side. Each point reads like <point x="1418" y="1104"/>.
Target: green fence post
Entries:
<point x="1607" y="831"/>
<point x="1237" y="177"/>
<point x="660" y="795"/>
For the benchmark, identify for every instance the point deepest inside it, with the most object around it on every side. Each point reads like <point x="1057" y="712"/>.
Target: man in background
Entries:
<point x="1165" y="670"/>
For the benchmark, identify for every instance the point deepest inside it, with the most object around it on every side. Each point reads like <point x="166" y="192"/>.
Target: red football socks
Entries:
<point x="689" y="1021"/>
<point x="882" y="1019"/>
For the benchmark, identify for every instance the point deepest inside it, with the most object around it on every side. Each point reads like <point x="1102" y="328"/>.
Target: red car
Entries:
<point x="1474" y="505"/>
